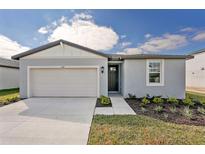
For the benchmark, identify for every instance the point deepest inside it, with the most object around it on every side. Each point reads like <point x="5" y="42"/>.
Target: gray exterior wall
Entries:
<point x="134" y="79"/>
<point x="24" y="63"/>
<point x="9" y="78"/>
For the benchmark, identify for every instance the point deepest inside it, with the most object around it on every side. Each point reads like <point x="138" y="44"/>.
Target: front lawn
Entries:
<point x="138" y="129"/>
<point x="9" y="96"/>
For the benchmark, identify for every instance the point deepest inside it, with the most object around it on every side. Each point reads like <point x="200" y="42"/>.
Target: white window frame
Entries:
<point x="161" y="72"/>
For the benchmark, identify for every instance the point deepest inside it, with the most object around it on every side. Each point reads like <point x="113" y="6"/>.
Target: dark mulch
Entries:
<point x="166" y="115"/>
<point x="98" y="104"/>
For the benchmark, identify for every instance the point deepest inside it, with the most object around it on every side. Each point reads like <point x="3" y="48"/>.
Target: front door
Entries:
<point x="113" y="78"/>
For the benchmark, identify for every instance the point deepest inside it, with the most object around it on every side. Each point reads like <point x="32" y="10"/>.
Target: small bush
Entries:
<point x="202" y="102"/>
<point x="158" y="109"/>
<point x="158" y="100"/>
<point x="105" y="100"/>
<point x="143" y="109"/>
<point x="131" y="96"/>
<point x="187" y="112"/>
<point x="173" y="109"/>
<point x="166" y="115"/>
<point x="188" y="102"/>
<point x="201" y="110"/>
<point x="173" y="100"/>
<point x="144" y="102"/>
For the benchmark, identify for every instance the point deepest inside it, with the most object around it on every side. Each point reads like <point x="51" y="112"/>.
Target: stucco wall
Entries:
<point x="24" y="63"/>
<point x="134" y="74"/>
<point x="195" y="75"/>
<point x="9" y="78"/>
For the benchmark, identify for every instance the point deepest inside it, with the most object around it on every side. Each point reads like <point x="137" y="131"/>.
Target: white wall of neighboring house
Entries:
<point x="195" y="71"/>
<point x="9" y="78"/>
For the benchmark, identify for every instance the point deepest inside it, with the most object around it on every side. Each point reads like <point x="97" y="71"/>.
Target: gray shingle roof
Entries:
<point x="197" y="52"/>
<point x="110" y="56"/>
<point x="8" y="63"/>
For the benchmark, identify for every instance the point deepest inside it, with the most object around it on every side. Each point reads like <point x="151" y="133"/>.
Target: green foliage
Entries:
<point x="173" y="109"/>
<point x="173" y="100"/>
<point x="201" y="110"/>
<point x="158" y="100"/>
<point x="9" y="96"/>
<point x="187" y="112"/>
<point x="166" y="115"/>
<point x="158" y="109"/>
<point x="143" y="109"/>
<point x="202" y="102"/>
<point x="144" y="102"/>
<point x="131" y="96"/>
<point x="188" y="102"/>
<point x="105" y="100"/>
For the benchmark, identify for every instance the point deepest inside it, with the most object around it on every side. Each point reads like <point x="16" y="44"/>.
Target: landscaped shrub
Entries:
<point x="201" y="110"/>
<point x="188" y="102"/>
<point x="173" y="100"/>
<point x="165" y="115"/>
<point x="131" y="96"/>
<point x="158" y="100"/>
<point x="105" y="100"/>
<point x="158" y="109"/>
<point x="173" y="109"/>
<point x="144" y="102"/>
<point x="202" y="102"/>
<point x="143" y="109"/>
<point x="6" y="101"/>
<point x="187" y="112"/>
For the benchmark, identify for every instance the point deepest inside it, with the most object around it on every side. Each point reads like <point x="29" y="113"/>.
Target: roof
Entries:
<point x="9" y="63"/>
<point x="52" y="44"/>
<point x="110" y="56"/>
<point x="197" y="52"/>
<point x="150" y="56"/>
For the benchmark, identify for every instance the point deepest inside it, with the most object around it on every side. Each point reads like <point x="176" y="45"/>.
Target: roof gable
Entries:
<point x="60" y="49"/>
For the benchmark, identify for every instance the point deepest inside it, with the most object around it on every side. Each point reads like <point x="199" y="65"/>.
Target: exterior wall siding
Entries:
<point x="24" y="63"/>
<point x="134" y="75"/>
<point x="9" y="78"/>
<point x="195" y="74"/>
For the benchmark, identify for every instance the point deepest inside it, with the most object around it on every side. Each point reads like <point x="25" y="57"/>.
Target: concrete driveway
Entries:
<point x="47" y="121"/>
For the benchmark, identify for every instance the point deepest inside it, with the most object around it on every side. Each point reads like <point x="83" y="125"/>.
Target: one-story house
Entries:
<point x="195" y="71"/>
<point x="9" y="74"/>
<point x="65" y="69"/>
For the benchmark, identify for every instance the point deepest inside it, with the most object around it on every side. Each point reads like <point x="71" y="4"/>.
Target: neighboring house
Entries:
<point x="195" y="71"/>
<point x="65" y="69"/>
<point x="9" y="74"/>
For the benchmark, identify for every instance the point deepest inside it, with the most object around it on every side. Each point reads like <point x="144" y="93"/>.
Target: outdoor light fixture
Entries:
<point x="102" y="69"/>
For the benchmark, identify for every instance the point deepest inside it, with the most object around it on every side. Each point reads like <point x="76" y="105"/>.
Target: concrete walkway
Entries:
<point x="119" y="107"/>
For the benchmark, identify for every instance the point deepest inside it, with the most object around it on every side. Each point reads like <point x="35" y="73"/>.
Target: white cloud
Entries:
<point x="123" y="36"/>
<point x="82" y="16"/>
<point x="147" y="35"/>
<point x="199" y="37"/>
<point x="186" y="29"/>
<point x="125" y="44"/>
<point x="81" y="29"/>
<point x="43" y="30"/>
<point x="157" y="44"/>
<point x="9" y="47"/>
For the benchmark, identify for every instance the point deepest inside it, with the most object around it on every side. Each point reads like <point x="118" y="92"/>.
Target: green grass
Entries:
<point x="9" y="95"/>
<point x="136" y="129"/>
<point x="195" y="95"/>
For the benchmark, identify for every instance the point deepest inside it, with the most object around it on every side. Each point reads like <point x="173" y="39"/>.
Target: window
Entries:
<point x="155" y="70"/>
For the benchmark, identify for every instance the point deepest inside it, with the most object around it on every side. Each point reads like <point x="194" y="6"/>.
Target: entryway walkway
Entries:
<point x="119" y="107"/>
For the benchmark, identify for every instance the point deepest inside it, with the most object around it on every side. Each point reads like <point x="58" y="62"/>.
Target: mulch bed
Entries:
<point x="177" y="117"/>
<point x="98" y="104"/>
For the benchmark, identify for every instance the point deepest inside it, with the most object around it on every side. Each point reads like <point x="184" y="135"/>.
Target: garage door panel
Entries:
<point x="80" y="82"/>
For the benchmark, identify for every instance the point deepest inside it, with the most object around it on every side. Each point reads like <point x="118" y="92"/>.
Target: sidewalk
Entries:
<point x="119" y="107"/>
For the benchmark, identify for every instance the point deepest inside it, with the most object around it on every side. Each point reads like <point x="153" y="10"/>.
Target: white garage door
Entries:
<point x="63" y="82"/>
